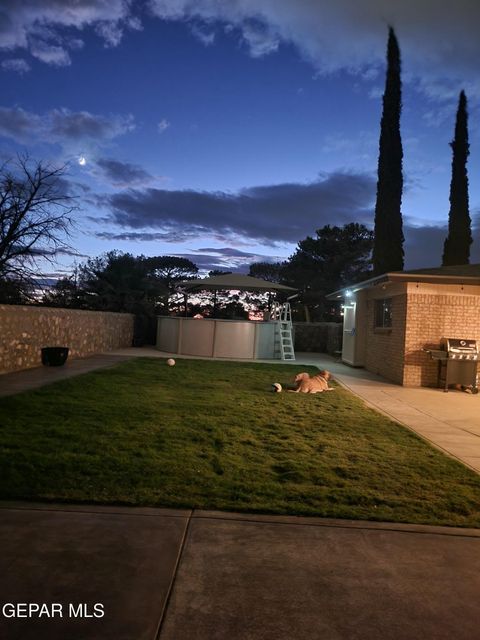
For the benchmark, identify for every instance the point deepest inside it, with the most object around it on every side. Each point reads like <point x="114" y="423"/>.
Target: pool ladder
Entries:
<point x="282" y="315"/>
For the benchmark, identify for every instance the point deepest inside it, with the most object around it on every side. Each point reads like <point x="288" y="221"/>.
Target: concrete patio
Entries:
<point x="163" y="574"/>
<point x="28" y="379"/>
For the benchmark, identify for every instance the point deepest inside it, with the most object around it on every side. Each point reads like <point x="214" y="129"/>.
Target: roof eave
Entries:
<point x="400" y="275"/>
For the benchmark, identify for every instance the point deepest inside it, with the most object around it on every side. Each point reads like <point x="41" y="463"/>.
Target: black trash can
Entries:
<point x="54" y="356"/>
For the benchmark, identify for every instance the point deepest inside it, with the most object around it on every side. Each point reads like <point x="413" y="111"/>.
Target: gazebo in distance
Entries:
<point x="232" y="282"/>
<point x="243" y="339"/>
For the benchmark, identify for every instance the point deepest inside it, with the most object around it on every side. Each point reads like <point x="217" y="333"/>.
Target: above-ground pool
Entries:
<point x="218" y="338"/>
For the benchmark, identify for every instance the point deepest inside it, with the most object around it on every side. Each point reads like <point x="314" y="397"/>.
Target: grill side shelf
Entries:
<point x="437" y="354"/>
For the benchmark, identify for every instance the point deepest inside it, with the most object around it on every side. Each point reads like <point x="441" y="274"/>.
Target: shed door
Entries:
<point x="348" y="344"/>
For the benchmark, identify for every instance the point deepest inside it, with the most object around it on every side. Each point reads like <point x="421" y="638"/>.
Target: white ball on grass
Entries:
<point x="171" y="362"/>
<point x="277" y="387"/>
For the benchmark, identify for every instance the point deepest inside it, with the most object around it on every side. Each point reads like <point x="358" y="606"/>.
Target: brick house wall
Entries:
<point x="433" y="312"/>
<point x="384" y="353"/>
<point x="25" y="330"/>
<point x="422" y="314"/>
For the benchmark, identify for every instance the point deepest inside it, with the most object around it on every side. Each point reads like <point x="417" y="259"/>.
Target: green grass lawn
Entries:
<point x="212" y="435"/>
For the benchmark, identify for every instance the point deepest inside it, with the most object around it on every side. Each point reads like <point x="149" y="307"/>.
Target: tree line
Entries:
<point x="143" y="285"/>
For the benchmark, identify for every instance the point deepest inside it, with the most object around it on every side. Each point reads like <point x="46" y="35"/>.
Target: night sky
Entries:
<point x="228" y="131"/>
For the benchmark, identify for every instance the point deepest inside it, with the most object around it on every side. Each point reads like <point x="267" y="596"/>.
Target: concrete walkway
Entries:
<point x="161" y="574"/>
<point x="18" y="381"/>
<point x="449" y="421"/>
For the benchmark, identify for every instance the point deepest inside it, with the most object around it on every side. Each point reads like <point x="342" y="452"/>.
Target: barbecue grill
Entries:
<point x="457" y="363"/>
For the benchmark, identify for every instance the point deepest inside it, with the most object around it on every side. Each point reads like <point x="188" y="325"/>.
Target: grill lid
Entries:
<point x="457" y="345"/>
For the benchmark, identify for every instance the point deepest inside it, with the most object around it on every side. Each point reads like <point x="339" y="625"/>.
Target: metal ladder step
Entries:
<point x="283" y="335"/>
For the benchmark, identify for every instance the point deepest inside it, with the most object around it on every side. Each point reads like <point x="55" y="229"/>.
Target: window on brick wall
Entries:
<point x="383" y="313"/>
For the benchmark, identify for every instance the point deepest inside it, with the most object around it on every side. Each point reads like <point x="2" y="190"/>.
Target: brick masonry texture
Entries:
<point x="385" y="347"/>
<point x="431" y="316"/>
<point x="25" y="330"/>
<point x="423" y="313"/>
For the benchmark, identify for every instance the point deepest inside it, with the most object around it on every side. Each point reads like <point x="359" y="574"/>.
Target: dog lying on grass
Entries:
<point x="314" y="384"/>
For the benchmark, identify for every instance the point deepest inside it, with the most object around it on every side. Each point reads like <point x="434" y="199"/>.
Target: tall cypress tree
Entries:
<point x="388" y="244"/>
<point x="456" y="249"/>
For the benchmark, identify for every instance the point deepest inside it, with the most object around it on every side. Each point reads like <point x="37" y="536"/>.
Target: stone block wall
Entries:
<point x="319" y="337"/>
<point x="25" y="330"/>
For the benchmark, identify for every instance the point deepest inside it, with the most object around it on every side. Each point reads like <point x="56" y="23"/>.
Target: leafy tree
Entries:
<point x="35" y="218"/>
<point x="336" y="257"/>
<point x="456" y="249"/>
<point x="16" y="291"/>
<point x="66" y="294"/>
<point x="120" y="282"/>
<point x="169" y="271"/>
<point x="270" y="271"/>
<point x="388" y="247"/>
<point x="232" y="309"/>
<point x="218" y="272"/>
<point x="117" y="281"/>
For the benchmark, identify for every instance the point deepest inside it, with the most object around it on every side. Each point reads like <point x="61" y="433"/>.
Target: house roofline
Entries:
<point x="402" y="276"/>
